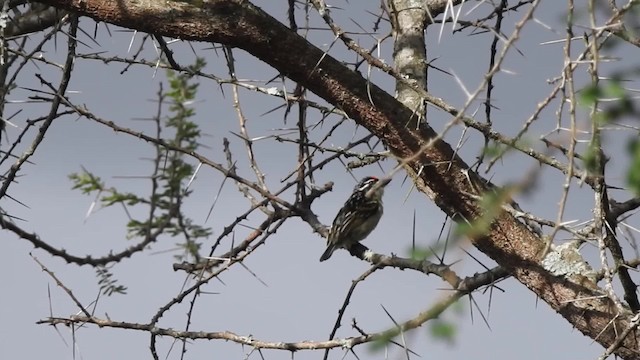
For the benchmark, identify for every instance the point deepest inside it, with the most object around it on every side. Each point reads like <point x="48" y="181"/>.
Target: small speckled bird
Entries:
<point x="358" y="216"/>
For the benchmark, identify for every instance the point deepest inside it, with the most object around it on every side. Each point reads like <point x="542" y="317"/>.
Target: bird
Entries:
<point x="358" y="216"/>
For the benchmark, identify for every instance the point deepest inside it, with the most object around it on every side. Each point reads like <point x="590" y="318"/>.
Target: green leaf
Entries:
<point x="491" y="203"/>
<point x="633" y="174"/>
<point x="108" y="284"/>
<point x="86" y="182"/>
<point x="443" y="330"/>
<point x="590" y="158"/>
<point x="382" y="342"/>
<point x="611" y="96"/>
<point x="421" y="253"/>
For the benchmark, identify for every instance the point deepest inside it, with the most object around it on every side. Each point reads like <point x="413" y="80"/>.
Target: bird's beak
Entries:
<point x="383" y="182"/>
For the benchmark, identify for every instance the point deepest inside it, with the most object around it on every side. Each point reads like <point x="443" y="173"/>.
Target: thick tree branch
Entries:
<point x="35" y="19"/>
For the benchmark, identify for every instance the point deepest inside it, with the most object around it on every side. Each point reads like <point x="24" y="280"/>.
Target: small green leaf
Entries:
<point x="420" y="253"/>
<point x="590" y="158"/>
<point x="589" y="95"/>
<point x="86" y="182"/>
<point x="443" y="330"/>
<point x="381" y="342"/>
<point x="633" y="174"/>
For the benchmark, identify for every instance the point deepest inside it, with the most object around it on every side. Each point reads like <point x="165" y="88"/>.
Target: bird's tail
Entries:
<point x="327" y="253"/>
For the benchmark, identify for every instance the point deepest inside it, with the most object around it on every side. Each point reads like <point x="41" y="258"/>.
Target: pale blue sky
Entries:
<point x="303" y="295"/>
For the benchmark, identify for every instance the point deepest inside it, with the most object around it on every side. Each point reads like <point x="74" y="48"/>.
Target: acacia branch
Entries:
<point x="465" y="287"/>
<point x="446" y="178"/>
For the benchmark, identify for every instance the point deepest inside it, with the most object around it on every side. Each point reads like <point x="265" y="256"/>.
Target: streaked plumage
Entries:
<point x="358" y="216"/>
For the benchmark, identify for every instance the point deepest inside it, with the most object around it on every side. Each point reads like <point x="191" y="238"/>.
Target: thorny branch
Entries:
<point x="465" y="287"/>
<point x="422" y="152"/>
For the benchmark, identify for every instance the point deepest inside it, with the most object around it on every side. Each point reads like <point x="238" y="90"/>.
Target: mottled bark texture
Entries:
<point x="410" y="53"/>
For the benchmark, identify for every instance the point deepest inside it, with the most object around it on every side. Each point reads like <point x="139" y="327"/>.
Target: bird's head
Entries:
<point x="372" y="186"/>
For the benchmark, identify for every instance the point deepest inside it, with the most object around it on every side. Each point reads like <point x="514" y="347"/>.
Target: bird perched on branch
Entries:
<point x="358" y="216"/>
